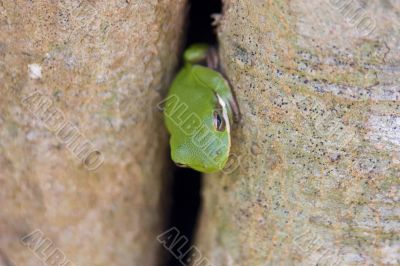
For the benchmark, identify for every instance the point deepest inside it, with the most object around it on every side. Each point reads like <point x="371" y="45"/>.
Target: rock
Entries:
<point x="83" y="150"/>
<point x="317" y="84"/>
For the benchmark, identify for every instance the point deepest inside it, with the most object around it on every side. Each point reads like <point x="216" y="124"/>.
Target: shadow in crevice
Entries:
<point x="200" y="28"/>
<point x="185" y="205"/>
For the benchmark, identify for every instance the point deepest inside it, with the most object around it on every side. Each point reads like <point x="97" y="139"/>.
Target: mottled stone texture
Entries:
<point x="99" y="67"/>
<point x="319" y="142"/>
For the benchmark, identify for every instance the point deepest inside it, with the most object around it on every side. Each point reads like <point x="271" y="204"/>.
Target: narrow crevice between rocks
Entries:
<point x="186" y="183"/>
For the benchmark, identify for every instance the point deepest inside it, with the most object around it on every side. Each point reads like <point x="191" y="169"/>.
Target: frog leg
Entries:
<point x="221" y="87"/>
<point x="212" y="60"/>
<point x="231" y="98"/>
<point x="196" y="53"/>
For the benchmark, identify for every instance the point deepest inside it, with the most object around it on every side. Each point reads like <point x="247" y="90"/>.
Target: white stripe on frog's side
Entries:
<point x="227" y="123"/>
<point x="224" y="113"/>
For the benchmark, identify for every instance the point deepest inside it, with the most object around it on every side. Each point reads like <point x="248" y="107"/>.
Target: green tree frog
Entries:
<point x="199" y="111"/>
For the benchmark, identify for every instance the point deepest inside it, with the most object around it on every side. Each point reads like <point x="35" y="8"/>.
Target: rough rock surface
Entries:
<point x="318" y="174"/>
<point x="82" y="147"/>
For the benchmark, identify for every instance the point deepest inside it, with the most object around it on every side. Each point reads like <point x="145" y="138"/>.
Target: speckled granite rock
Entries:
<point x="82" y="153"/>
<point x="318" y="176"/>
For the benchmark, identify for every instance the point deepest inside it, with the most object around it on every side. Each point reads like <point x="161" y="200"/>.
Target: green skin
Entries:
<point x="198" y="114"/>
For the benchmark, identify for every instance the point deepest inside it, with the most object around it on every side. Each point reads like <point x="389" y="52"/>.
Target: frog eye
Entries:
<point x="219" y="122"/>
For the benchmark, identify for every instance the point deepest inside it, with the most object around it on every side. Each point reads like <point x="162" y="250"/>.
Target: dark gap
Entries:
<point x="186" y="183"/>
<point x="184" y="207"/>
<point x="199" y="19"/>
